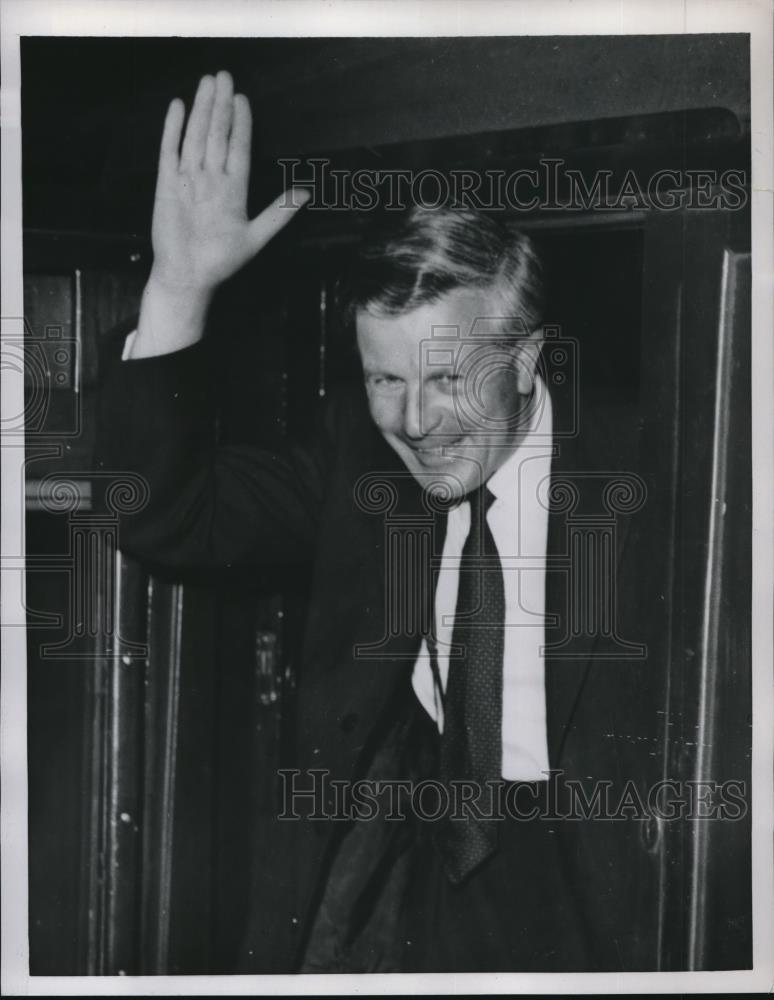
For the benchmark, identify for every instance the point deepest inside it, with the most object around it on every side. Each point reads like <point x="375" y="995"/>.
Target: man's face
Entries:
<point x="447" y="396"/>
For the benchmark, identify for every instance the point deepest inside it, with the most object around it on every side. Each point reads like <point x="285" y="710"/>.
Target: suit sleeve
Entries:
<point x="204" y="505"/>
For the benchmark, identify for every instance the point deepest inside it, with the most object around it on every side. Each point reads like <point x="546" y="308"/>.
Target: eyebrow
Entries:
<point x="436" y="372"/>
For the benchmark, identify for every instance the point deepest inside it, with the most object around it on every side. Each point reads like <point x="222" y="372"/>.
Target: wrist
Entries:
<point x="172" y="317"/>
<point x="185" y="295"/>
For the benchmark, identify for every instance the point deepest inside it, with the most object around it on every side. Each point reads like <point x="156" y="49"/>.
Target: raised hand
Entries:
<point x="201" y="233"/>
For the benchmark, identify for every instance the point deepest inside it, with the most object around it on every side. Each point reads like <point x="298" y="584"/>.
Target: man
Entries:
<point x="422" y="510"/>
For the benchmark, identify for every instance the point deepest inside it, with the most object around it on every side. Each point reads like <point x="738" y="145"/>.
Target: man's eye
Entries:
<point x="448" y="378"/>
<point x="384" y="381"/>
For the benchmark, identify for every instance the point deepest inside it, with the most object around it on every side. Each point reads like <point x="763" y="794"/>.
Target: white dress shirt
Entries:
<point x="519" y="525"/>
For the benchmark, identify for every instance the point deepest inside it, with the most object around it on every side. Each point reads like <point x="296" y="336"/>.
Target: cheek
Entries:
<point x="500" y="398"/>
<point x="385" y="411"/>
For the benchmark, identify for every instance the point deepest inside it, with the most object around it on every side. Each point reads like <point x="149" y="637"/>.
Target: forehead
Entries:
<point x="403" y="340"/>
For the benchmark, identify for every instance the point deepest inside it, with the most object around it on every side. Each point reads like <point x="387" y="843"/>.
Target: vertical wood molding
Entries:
<point x="169" y="773"/>
<point x="711" y="665"/>
<point x="91" y="850"/>
<point x="78" y="325"/>
<point x="114" y="817"/>
<point x="665" y="840"/>
<point x="322" y="348"/>
<point x="165" y="603"/>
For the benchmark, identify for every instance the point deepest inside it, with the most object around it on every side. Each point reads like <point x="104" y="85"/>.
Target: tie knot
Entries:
<point x="480" y="500"/>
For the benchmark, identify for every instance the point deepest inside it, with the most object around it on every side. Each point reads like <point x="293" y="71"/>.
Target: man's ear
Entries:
<point x="527" y="356"/>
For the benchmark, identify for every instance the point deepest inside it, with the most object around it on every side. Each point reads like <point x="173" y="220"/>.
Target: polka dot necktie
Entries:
<point x="471" y="743"/>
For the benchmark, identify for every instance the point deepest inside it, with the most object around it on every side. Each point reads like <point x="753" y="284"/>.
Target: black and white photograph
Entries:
<point x="389" y="498"/>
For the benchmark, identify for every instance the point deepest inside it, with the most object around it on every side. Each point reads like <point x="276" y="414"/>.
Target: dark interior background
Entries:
<point x="92" y="110"/>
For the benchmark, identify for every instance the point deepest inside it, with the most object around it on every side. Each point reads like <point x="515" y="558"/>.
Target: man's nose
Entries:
<point x="420" y="418"/>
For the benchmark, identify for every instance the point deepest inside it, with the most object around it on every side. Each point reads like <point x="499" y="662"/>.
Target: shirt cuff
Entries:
<point x="128" y="345"/>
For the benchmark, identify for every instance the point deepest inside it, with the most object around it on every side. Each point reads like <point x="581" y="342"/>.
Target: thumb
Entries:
<point x="276" y="216"/>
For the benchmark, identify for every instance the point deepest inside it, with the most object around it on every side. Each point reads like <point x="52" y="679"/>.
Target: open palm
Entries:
<point x="201" y="232"/>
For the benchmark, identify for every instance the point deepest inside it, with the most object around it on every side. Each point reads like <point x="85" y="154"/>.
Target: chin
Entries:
<point x="449" y="484"/>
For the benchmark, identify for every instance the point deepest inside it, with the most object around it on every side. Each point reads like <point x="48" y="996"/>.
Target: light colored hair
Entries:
<point x="425" y="253"/>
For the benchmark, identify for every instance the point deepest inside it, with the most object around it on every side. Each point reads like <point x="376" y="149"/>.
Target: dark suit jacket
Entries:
<point x="331" y="506"/>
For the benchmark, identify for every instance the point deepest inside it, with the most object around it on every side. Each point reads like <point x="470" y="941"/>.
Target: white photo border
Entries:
<point x="231" y="18"/>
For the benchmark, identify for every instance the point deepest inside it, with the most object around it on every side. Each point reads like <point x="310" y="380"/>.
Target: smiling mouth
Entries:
<point x="437" y="451"/>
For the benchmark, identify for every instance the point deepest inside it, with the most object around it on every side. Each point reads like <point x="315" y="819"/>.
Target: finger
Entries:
<point x="169" y="159"/>
<point x="220" y="122"/>
<point x="195" y="139"/>
<point x="238" y="161"/>
<point x="276" y="216"/>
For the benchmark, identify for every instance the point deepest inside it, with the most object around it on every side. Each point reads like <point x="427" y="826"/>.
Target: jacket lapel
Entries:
<point x="586" y="545"/>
